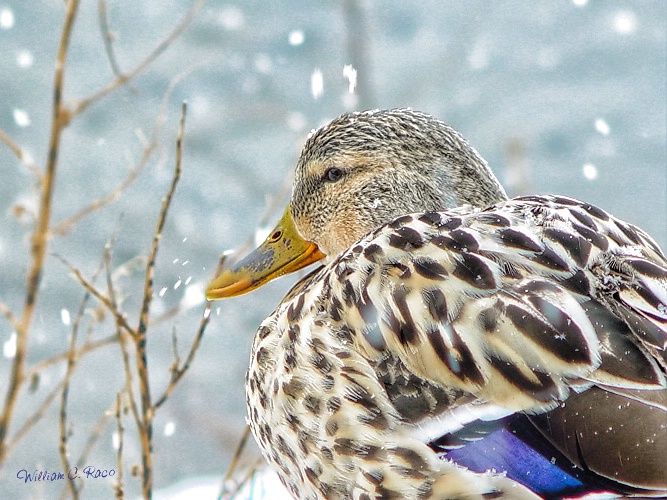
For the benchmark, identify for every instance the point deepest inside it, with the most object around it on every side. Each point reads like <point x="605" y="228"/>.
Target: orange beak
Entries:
<point x="283" y="252"/>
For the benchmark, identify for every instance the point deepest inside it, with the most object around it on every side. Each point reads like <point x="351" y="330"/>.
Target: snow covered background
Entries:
<point x="571" y="90"/>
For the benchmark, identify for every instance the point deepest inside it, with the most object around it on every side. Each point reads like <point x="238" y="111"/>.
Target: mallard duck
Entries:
<point x="455" y="343"/>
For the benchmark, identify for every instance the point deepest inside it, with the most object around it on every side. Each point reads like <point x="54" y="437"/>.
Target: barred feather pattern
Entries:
<point x="440" y="318"/>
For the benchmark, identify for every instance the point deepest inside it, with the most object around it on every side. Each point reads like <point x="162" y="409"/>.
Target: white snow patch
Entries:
<point x="580" y="3"/>
<point x="264" y="484"/>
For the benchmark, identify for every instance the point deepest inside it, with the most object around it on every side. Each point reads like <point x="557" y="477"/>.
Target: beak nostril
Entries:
<point x="276" y="236"/>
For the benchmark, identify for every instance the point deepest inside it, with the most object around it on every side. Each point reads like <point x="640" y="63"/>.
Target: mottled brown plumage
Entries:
<point x="444" y="306"/>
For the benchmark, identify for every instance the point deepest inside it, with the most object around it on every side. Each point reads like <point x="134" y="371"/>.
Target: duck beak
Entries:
<point x="283" y="252"/>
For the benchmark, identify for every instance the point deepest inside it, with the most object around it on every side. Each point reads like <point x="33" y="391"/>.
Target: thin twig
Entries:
<point x="126" y="77"/>
<point x="118" y="486"/>
<point x="33" y="374"/>
<point x="71" y="362"/>
<point x="65" y="226"/>
<point x="37" y="368"/>
<point x="146" y="430"/>
<point x="149" y="147"/>
<point x="95" y="434"/>
<point x="178" y="371"/>
<point x="39" y="236"/>
<point x="174" y="351"/>
<point x="11" y="144"/>
<point x="98" y="295"/>
<point x="20" y="154"/>
<point x="7" y="313"/>
<point x="107" y="37"/>
<point x="121" y="333"/>
<point x="235" y="460"/>
<point x="33" y="419"/>
<point x="251" y="472"/>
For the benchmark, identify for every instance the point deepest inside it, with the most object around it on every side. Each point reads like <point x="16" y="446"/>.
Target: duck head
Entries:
<point x="356" y="173"/>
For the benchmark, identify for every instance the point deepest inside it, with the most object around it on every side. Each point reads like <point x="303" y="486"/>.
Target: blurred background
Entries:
<point x="564" y="97"/>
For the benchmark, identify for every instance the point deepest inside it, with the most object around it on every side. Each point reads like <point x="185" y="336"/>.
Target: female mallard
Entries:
<point x="452" y="331"/>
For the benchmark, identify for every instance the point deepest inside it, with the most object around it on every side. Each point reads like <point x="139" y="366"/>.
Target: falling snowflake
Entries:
<point x="602" y="126"/>
<point x="351" y="74"/>
<point x="21" y="118"/>
<point x="625" y="22"/>
<point x="317" y="83"/>
<point x="296" y="37"/>
<point x="9" y="347"/>
<point x="590" y="171"/>
<point x="6" y="18"/>
<point x="65" y="317"/>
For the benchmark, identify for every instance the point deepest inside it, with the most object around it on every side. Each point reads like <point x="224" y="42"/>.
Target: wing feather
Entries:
<point x="517" y="305"/>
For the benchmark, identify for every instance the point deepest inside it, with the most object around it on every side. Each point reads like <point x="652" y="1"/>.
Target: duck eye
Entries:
<point x="333" y="174"/>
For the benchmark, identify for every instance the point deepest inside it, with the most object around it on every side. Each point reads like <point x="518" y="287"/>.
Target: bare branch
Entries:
<point x="147" y="409"/>
<point x="39" y="236"/>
